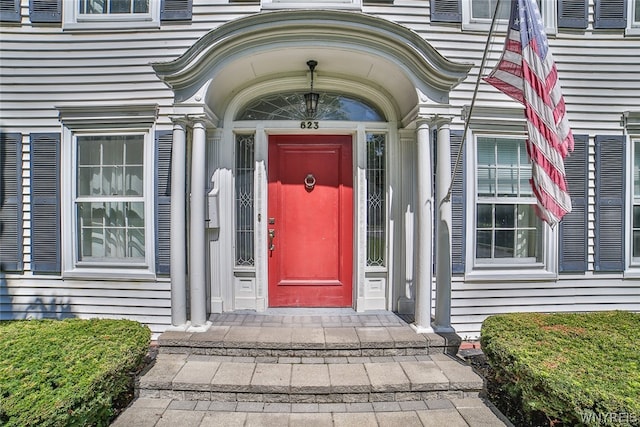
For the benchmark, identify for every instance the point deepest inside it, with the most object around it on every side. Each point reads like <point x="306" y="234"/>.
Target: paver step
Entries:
<point x="308" y="380"/>
<point x="345" y="341"/>
<point x="472" y="412"/>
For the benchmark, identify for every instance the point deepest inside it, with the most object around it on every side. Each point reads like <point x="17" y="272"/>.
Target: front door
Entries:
<point x="310" y="221"/>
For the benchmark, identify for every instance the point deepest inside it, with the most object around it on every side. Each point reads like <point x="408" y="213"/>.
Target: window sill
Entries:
<point x="633" y="31"/>
<point x="110" y="274"/>
<point x="632" y="273"/>
<point x="110" y="26"/>
<point x="510" y="275"/>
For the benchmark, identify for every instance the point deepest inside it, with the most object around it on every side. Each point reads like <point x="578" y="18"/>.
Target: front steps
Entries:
<point x="308" y="380"/>
<point x="283" y="341"/>
<point x="335" y="371"/>
<point x="261" y="361"/>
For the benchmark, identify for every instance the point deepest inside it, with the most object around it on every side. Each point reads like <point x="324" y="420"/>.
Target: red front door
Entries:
<point x="310" y="222"/>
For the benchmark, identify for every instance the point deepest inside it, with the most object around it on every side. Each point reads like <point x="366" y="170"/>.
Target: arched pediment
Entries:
<point x="273" y="45"/>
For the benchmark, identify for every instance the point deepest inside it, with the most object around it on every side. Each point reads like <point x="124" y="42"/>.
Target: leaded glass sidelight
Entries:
<point x="291" y="106"/>
<point x="376" y="200"/>
<point x="245" y="167"/>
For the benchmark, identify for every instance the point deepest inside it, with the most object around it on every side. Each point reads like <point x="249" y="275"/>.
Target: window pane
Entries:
<point x="504" y="244"/>
<point x="636" y="243"/>
<point x="507" y="152"/>
<point x="505" y="216"/>
<point x="637" y="11"/>
<point x="133" y="181"/>
<point x="486" y="153"/>
<point x="376" y="200"/>
<point x="93" y="6"/>
<point x="121" y="6"/>
<point x="484" y="244"/>
<point x="636" y="169"/>
<point x="483" y="9"/>
<point x="135" y="214"/>
<point x="507" y="182"/>
<point x="527" y="217"/>
<point x="245" y="167"/>
<point x="140" y="6"/>
<point x="485" y="216"/>
<point x="486" y="182"/>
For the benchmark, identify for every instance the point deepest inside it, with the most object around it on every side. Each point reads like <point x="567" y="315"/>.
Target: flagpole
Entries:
<point x="447" y="197"/>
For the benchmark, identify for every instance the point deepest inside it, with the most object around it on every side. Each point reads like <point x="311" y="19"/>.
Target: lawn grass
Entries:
<point x="573" y="368"/>
<point x="67" y="372"/>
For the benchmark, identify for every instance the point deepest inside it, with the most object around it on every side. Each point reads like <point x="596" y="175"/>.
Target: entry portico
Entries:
<point x="222" y="199"/>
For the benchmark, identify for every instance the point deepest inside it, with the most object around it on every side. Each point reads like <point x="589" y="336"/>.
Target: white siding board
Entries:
<point x="47" y="66"/>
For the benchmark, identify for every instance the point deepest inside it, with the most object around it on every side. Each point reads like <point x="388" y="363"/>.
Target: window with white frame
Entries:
<point x="103" y="13"/>
<point x="507" y="230"/>
<point x="477" y="14"/>
<point x="634" y="12"/>
<point x="635" y="222"/>
<point x="113" y="7"/>
<point x="110" y="199"/>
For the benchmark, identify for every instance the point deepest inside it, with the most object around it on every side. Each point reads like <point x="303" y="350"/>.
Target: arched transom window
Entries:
<point x="290" y="106"/>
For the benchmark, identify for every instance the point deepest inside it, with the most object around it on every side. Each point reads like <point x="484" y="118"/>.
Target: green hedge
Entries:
<point x="575" y="368"/>
<point x="67" y="372"/>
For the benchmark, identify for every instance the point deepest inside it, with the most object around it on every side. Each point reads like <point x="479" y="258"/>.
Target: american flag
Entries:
<point x="527" y="73"/>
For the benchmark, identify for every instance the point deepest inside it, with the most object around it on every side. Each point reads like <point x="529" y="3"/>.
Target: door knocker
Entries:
<point x="310" y="182"/>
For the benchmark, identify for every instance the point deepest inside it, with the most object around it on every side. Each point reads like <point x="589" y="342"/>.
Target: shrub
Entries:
<point x="69" y="372"/>
<point x="575" y="368"/>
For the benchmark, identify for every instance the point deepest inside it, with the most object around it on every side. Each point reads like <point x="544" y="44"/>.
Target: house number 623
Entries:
<point x="309" y="125"/>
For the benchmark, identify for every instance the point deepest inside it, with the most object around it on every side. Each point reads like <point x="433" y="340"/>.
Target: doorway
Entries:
<point x="310" y="221"/>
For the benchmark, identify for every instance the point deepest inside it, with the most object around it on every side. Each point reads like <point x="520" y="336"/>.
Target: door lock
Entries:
<point x="272" y="235"/>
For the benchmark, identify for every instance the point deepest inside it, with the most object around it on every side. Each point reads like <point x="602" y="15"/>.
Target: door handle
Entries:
<point x="272" y="235"/>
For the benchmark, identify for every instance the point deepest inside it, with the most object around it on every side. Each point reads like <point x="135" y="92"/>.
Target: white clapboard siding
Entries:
<point x="45" y="66"/>
<point x="473" y="302"/>
<point x="146" y="302"/>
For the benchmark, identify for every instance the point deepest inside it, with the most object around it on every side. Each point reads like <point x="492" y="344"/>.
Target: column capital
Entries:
<point x="203" y="119"/>
<point x="439" y="120"/>
<point x="179" y="120"/>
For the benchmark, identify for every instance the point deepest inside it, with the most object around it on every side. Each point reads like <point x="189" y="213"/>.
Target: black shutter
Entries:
<point x="572" y="13"/>
<point x="175" y="10"/>
<point x="458" y="226"/>
<point x="446" y="11"/>
<point x="46" y="11"/>
<point x="10" y="11"/>
<point x="164" y="140"/>
<point x="10" y="203"/>
<point x="573" y="227"/>
<point x="610" y="177"/>
<point x="45" y="203"/>
<point x="610" y="14"/>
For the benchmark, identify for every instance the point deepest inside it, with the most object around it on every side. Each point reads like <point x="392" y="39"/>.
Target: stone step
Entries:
<point x="471" y="412"/>
<point x="344" y="341"/>
<point x="308" y="380"/>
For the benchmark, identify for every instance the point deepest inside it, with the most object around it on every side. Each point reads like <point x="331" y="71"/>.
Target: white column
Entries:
<point x="424" y="213"/>
<point x="178" y="225"/>
<point x="197" y="231"/>
<point x="442" y="321"/>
